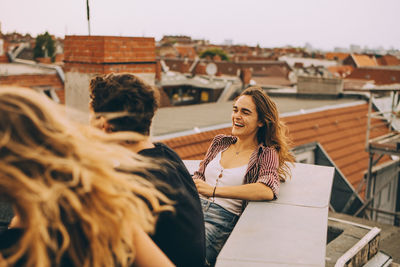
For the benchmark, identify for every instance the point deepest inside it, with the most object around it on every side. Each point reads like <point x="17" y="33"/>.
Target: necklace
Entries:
<point x="240" y="151"/>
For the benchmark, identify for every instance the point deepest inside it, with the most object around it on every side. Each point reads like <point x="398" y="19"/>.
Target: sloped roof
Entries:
<point x="380" y="75"/>
<point x="356" y="84"/>
<point x="388" y="60"/>
<point x="335" y="56"/>
<point x="259" y="68"/>
<point x="363" y="60"/>
<point x="341" y="132"/>
<point x="341" y="71"/>
<point x="186" y="51"/>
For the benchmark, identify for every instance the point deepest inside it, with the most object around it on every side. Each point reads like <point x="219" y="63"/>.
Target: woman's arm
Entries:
<point x="147" y="252"/>
<point x="252" y="192"/>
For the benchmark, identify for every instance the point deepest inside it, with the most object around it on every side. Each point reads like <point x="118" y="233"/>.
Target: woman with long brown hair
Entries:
<point x="73" y="190"/>
<point x="245" y="166"/>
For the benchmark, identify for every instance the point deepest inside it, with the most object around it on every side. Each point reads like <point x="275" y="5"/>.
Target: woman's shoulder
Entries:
<point x="223" y="139"/>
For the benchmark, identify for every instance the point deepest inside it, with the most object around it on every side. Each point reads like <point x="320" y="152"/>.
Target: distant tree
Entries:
<point x="213" y="52"/>
<point x="45" y="46"/>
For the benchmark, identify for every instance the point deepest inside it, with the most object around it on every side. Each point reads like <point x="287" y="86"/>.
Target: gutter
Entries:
<point x="351" y="253"/>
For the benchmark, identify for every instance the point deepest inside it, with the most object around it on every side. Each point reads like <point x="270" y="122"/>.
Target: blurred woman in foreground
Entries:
<point x="74" y="207"/>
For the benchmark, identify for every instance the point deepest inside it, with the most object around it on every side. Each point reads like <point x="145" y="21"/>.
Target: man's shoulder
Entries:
<point x="169" y="159"/>
<point x="167" y="153"/>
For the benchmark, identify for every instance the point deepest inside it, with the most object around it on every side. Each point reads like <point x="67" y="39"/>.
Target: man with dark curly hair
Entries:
<point x="123" y="102"/>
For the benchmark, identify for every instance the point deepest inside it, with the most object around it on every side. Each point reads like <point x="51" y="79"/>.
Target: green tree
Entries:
<point x="45" y="46"/>
<point x="214" y="51"/>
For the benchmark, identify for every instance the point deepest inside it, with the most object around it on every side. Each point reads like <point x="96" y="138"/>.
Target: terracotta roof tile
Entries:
<point x="336" y="56"/>
<point x="186" y="51"/>
<point x="379" y="75"/>
<point x="341" y="71"/>
<point x="388" y="60"/>
<point x="364" y="61"/>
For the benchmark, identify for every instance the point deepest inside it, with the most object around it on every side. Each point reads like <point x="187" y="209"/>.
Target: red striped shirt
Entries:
<point x="262" y="168"/>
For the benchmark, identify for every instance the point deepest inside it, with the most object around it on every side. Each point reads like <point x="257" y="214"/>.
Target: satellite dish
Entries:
<point x="211" y="69"/>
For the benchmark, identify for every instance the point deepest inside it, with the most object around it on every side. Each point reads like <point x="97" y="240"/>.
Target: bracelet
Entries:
<point x="215" y="187"/>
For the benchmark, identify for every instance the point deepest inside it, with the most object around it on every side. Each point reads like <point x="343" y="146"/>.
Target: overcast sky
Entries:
<point x="324" y="24"/>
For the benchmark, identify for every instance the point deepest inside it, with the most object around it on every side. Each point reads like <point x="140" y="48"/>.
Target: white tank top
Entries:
<point x="216" y="175"/>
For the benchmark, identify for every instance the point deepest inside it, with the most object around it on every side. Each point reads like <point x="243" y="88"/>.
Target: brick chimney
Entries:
<point x="86" y="56"/>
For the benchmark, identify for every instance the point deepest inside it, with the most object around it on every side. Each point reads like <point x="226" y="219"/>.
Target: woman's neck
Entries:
<point x="247" y="143"/>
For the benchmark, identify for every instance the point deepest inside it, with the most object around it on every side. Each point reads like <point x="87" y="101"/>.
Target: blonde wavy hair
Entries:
<point x="273" y="133"/>
<point x="62" y="180"/>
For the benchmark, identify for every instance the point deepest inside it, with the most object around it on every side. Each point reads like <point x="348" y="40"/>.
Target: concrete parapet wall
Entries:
<point x="318" y="85"/>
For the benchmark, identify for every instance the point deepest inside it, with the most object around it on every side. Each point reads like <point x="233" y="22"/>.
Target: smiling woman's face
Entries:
<point x="245" y="122"/>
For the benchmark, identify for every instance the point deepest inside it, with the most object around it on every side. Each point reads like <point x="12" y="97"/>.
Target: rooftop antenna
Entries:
<point x="88" y="15"/>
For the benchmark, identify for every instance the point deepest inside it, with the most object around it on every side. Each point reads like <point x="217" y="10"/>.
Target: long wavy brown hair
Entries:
<point x="62" y="180"/>
<point x="274" y="132"/>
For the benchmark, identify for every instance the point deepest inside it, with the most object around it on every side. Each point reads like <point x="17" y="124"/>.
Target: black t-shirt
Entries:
<point x="6" y="214"/>
<point x="180" y="235"/>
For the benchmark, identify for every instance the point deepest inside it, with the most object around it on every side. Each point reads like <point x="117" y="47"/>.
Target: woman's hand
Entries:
<point x="203" y="188"/>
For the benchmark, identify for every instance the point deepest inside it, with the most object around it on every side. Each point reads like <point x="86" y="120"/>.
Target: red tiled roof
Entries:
<point x="388" y="60"/>
<point x="260" y="68"/>
<point x="186" y="51"/>
<point x="341" y="71"/>
<point x="355" y="84"/>
<point x="335" y="56"/>
<point x="364" y="61"/>
<point x="379" y="75"/>
<point x="341" y="132"/>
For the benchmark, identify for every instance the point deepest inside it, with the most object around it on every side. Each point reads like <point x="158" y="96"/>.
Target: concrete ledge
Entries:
<point x="290" y="231"/>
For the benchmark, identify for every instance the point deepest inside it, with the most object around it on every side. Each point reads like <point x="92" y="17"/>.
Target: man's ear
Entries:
<point x="108" y="128"/>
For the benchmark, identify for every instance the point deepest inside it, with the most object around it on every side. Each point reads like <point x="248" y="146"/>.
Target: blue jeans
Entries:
<point x="219" y="224"/>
